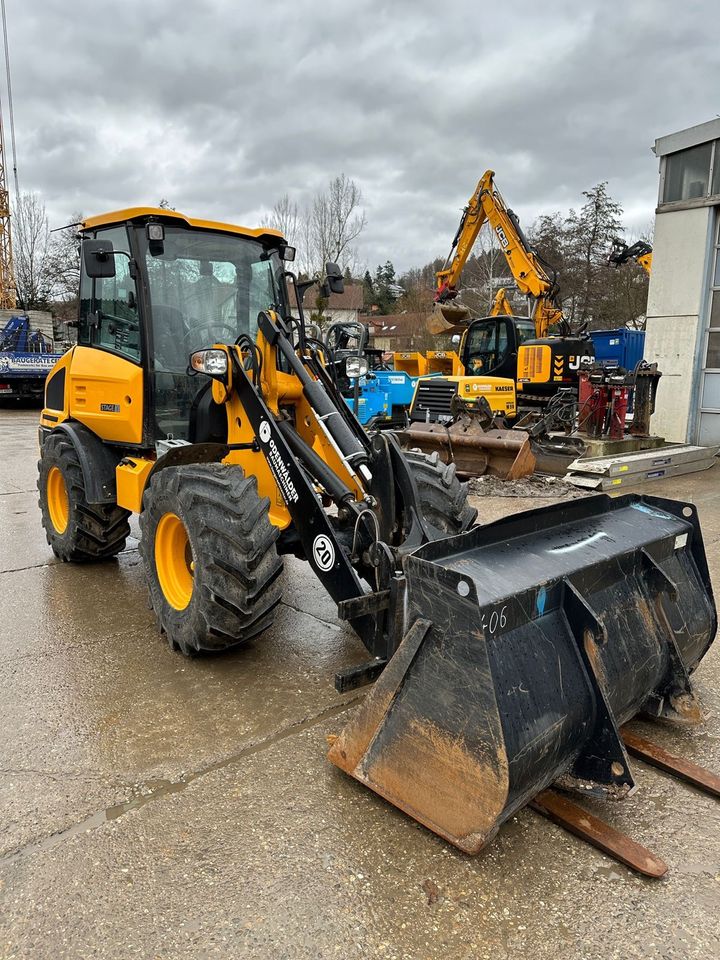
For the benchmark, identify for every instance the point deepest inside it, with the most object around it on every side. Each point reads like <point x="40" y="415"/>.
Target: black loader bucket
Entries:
<point x="531" y="641"/>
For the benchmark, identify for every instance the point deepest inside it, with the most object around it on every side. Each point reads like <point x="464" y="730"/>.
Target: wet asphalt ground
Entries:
<point x="152" y="806"/>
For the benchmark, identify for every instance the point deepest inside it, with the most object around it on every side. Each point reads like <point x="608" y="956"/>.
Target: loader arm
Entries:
<point x="378" y="470"/>
<point x="487" y="205"/>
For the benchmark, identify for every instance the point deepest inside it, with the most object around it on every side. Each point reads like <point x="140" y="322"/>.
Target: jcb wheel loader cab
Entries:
<point x="75" y="529"/>
<point x="210" y="555"/>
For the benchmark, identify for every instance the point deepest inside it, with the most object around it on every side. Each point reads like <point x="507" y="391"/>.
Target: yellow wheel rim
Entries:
<point x="173" y="561"/>
<point x="57" y="500"/>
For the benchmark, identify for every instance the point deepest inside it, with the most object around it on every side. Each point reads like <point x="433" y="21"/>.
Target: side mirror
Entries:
<point x="98" y="259"/>
<point x="334" y="277"/>
<point x="455" y="339"/>
<point x="287" y="253"/>
<point x="355" y="367"/>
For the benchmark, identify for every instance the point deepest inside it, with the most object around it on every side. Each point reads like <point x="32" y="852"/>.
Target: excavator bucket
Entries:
<point x="530" y="642"/>
<point x="474" y="450"/>
<point x="447" y="316"/>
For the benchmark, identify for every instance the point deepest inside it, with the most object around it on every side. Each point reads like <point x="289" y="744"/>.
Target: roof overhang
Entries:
<point x="691" y="137"/>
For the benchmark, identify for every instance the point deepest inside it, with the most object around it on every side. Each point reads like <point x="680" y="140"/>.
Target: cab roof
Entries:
<point x="160" y="213"/>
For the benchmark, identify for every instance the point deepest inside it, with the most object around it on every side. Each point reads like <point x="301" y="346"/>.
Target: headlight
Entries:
<point x="212" y="362"/>
<point x="356" y="367"/>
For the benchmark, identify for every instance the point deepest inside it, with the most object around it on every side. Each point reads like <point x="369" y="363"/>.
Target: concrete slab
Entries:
<point x="263" y="857"/>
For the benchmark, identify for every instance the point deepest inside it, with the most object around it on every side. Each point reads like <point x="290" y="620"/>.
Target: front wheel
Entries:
<point x="210" y="556"/>
<point x="75" y="529"/>
<point x="443" y="498"/>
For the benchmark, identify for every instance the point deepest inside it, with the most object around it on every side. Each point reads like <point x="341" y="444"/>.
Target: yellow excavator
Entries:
<point x="640" y="251"/>
<point x="520" y="349"/>
<point x="506" y="655"/>
<point x="418" y="364"/>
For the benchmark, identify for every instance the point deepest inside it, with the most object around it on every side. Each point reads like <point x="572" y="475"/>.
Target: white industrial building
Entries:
<point x="683" y="314"/>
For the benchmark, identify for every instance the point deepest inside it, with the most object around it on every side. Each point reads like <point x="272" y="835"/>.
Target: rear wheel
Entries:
<point x="210" y="556"/>
<point x="75" y="529"/>
<point x="443" y="498"/>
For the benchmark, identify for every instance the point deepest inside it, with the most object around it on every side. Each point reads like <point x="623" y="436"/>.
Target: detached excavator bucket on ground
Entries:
<point x="529" y="642"/>
<point x="473" y="441"/>
<point x="474" y="450"/>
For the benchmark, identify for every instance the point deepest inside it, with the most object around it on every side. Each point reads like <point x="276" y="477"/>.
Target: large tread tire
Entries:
<point x="236" y="584"/>
<point x="94" y="531"/>
<point x="443" y="498"/>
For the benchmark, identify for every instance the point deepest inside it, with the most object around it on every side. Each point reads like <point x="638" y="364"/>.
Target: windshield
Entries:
<point x="525" y="331"/>
<point x="490" y="342"/>
<point x="206" y="288"/>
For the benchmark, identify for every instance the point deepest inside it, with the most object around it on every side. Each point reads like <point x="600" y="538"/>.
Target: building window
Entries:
<point x="687" y="173"/>
<point x="712" y="352"/>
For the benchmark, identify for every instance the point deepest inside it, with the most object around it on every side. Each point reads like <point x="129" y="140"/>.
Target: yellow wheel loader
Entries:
<point x="506" y="656"/>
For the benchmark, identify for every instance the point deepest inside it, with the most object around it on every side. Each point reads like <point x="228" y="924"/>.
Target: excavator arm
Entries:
<point x="641" y="252"/>
<point x="501" y="304"/>
<point x="487" y="205"/>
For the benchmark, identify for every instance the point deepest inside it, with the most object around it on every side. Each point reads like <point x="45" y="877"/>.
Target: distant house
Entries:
<point x="403" y="331"/>
<point x="340" y="306"/>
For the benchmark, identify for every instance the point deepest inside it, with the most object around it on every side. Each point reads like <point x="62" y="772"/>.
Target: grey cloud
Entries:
<point x="223" y="106"/>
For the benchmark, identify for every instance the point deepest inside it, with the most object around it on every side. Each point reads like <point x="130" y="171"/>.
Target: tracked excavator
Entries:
<point x="521" y="349"/>
<point x="506" y="656"/>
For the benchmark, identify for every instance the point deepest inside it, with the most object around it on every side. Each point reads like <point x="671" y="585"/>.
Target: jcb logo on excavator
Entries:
<point x="504" y="242"/>
<point x="574" y="363"/>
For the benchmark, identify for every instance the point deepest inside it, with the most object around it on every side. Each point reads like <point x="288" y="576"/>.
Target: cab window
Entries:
<point x="482" y="347"/>
<point x="525" y="331"/>
<point x="109" y="316"/>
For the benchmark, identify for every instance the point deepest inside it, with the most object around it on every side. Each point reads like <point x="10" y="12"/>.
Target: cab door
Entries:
<point x="106" y="377"/>
<point x="491" y="348"/>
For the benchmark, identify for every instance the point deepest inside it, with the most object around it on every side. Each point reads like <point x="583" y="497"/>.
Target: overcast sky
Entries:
<point x="222" y="106"/>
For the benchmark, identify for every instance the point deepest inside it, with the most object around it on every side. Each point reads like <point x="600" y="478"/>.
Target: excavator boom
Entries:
<point x="486" y="205"/>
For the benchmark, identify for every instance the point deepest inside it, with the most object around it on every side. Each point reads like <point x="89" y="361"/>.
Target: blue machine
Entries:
<point x="385" y="395"/>
<point x="618" y="348"/>
<point x="26" y="358"/>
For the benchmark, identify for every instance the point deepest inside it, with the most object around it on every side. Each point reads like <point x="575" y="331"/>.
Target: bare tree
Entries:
<point x="485" y="273"/>
<point x="335" y="221"/>
<point x="285" y="217"/>
<point x="64" y="262"/>
<point x="31" y="242"/>
<point x="326" y="228"/>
